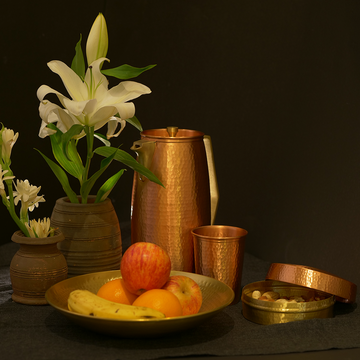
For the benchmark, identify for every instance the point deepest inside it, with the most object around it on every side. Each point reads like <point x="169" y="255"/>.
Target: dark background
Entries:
<point x="276" y="84"/>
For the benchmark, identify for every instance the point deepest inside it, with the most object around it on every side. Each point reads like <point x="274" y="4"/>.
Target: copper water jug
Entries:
<point x="183" y="162"/>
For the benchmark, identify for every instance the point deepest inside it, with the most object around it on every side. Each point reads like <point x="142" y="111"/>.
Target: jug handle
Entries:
<point x="145" y="152"/>
<point x="214" y="189"/>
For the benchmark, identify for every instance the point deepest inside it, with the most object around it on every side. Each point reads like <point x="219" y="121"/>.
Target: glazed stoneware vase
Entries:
<point x="92" y="235"/>
<point x="36" y="266"/>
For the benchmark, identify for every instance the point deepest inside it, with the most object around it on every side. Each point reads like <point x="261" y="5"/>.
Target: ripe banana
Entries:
<point x="86" y="303"/>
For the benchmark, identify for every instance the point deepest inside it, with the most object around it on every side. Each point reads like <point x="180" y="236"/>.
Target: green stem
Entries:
<point x="24" y="216"/>
<point x="11" y="208"/>
<point x="89" y="131"/>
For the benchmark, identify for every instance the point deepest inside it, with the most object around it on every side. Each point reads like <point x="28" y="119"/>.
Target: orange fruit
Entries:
<point x="115" y="291"/>
<point x="161" y="300"/>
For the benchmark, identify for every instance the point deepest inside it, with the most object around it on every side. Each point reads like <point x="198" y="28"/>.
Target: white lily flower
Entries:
<point x="54" y="113"/>
<point x="91" y="103"/>
<point x="28" y="195"/>
<point x="39" y="228"/>
<point x="8" y="140"/>
<point x="97" y="42"/>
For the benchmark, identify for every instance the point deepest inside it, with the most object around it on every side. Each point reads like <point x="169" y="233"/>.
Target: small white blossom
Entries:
<point x="2" y="179"/>
<point x="27" y="194"/>
<point x="8" y="140"/>
<point x="39" y="228"/>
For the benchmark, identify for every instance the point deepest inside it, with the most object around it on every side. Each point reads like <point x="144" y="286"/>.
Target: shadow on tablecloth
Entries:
<point x="40" y="332"/>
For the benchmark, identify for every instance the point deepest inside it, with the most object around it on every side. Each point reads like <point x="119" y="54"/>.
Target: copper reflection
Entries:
<point x="166" y="215"/>
<point x="313" y="278"/>
<point x="219" y="253"/>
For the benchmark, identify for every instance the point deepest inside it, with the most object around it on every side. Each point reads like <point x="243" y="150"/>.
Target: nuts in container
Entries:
<point x="274" y="296"/>
<point x="294" y="292"/>
<point x="273" y="302"/>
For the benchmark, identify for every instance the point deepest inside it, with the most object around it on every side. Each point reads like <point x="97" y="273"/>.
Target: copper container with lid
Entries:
<point x="183" y="161"/>
<point x="296" y="280"/>
<point x="344" y="290"/>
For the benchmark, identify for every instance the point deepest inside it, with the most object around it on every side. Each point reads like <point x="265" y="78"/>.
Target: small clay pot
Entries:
<point x="36" y="266"/>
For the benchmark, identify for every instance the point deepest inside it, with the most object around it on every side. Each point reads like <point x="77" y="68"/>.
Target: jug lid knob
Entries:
<point x="172" y="130"/>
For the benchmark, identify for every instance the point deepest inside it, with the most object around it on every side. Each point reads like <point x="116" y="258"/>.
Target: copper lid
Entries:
<point x="345" y="291"/>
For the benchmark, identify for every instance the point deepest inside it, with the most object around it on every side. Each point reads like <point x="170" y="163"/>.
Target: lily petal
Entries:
<point x="126" y="110"/>
<point x="52" y="113"/>
<point x="112" y="125"/>
<point x="102" y="116"/>
<point x="43" y="90"/>
<point x="97" y="83"/>
<point x="76" y="107"/>
<point x="74" y="85"/>
<point x="125" y="91"/>
<point x="45" y="110"/>
<point x="65" y="120"/>
<point x="45" y="131"/>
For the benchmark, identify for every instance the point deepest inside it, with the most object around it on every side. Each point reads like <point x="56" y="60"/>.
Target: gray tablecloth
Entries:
<point x="40" y="332"/>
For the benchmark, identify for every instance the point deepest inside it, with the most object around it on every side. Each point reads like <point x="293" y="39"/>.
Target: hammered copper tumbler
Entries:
<point x="219" y="253"/>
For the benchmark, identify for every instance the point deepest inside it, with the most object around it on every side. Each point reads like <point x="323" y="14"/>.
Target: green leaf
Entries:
<point x="67" y="137"/>
<point x="62" y="177"/>
<point x="103" y="139"/>
<point x="128" y="160"/>
<point x="107" y="187"/>
<point x="78" y="63"/>
<point x="125" y="71"/>
<point x="135" y="122"/>
<point x="74" y="157"/>
<point x="71" y="163"/>
<point x="88" y="184"/>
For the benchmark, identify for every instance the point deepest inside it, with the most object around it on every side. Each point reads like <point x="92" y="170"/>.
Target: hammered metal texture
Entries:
<point x="216" y="296"/>
<point x="92" y="235"/>
<point x="313" y="278"/>
<point x="265" y="312"/>
<point x="166" y="215"/>
<point x="219" y="253"/>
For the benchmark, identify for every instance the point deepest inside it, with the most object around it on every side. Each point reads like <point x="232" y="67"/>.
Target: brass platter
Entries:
<point x="216" y="296"/>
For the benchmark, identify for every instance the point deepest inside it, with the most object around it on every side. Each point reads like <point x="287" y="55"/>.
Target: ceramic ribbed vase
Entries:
<point x="36" y="266"/>
<point x="92" y="235"/>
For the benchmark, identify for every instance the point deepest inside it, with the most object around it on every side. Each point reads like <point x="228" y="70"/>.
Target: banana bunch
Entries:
<point x="86" y="303"/>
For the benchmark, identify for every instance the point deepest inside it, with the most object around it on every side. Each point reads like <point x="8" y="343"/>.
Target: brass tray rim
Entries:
<point x="186" y="321"/>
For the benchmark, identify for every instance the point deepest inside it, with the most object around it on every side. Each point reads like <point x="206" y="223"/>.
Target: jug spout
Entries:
<point x="145" y="151"/>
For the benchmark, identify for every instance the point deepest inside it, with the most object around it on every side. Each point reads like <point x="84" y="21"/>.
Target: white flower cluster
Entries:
<point x="39" y="228"/>
<point x="2" y="179"/>
<point x="25" y="193"/>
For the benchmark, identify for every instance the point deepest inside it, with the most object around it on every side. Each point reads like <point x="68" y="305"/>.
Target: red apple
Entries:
<point x="145" y="266"/>
<point x="187" y="291"/>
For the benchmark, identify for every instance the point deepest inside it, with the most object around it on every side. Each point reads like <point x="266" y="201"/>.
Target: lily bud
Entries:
<point x="97" y="42"/>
